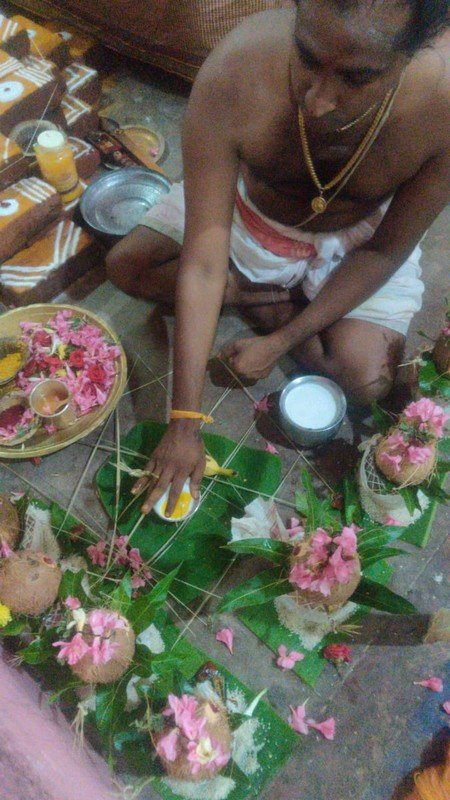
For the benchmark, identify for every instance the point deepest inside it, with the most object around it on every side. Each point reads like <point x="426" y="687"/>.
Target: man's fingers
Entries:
<point x="196" y="477"/>
<point x="157" y="491"/>
<point x="141" y="483"/>
<point x="228" y="351"/>
<point x="175" y="491"/>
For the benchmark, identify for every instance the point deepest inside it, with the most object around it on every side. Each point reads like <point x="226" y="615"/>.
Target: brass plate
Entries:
<point x="151" y="142"/>
<point x="42" y="444"/>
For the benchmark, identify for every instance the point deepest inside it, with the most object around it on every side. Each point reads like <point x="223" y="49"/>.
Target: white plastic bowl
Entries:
<point x="159" y="505"/>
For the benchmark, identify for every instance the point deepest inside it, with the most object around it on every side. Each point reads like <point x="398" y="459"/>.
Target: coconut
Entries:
<point x="9" y="522"/>
<point x="29" y="582"/>
<point x="409" y="474"/>
<point x="441" y="354"/>
<point x="87" y="671"/>
<point x="217" y="727"/>
<point x="340" y="592"/>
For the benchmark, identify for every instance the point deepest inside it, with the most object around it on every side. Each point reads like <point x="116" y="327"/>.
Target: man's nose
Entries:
<point x="321" y="98"/>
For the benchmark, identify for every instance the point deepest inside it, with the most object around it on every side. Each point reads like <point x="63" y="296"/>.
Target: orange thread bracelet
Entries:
<point x="179" y="414"/>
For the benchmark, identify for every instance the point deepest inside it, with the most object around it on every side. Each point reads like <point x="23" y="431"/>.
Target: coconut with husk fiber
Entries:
<point x="9" y="523"/>
<point x="392" y="457"/>
<point x="407" y="454"/>
<point x="197" y="746"/>
<point x="325" y="568"/>
<point x="29" y="582"/>
<point x="103" y="650"/>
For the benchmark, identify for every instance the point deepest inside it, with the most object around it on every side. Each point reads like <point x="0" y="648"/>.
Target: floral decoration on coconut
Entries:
<point x="74" y="351"/>
<point x="80" y="614"/>
<point x="401" y="470"/>
<point x="208" y="740"/>
<point x="103" y="640"/>
<point x="321" y="574"/>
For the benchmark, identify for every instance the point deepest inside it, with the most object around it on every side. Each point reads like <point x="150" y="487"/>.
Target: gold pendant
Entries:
<point x="318" y="204"/>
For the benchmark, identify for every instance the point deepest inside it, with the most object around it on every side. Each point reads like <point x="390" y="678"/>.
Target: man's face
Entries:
<point x="346" y="60"/>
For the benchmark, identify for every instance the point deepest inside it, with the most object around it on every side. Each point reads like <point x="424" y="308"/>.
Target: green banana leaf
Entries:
<point x="196" y="547"/>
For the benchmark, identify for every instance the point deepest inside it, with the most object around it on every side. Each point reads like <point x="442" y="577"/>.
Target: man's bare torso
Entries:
<point x="256" y="60"/>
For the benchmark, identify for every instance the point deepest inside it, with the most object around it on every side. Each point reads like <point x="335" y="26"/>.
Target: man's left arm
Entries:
<point x="363" y="271"/>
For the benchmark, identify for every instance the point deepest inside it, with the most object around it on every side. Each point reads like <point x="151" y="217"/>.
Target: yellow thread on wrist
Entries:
<point x="180" y="414"/>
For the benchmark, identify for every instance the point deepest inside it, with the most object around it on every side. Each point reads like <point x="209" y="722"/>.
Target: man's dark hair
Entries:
<point x="428" y="18"/>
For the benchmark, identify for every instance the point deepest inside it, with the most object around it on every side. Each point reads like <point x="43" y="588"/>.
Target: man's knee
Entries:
<point x="117" y="264"/>
<point x="366" y="378"/>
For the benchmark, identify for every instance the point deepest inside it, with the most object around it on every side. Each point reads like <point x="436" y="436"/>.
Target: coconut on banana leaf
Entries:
<point x="29" y="582"/>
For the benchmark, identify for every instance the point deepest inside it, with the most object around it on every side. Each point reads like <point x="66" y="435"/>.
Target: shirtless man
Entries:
<point x="340" y="63"/>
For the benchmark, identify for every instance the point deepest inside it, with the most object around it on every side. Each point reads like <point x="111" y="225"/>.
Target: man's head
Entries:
<point x="352" y="51"/>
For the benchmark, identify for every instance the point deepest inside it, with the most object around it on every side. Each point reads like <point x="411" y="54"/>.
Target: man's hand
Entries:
<point x="253" y="358"/>
<point x="179" y="455"/>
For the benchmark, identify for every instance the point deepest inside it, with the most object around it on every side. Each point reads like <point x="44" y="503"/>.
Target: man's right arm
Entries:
<point x="211" y="166"/>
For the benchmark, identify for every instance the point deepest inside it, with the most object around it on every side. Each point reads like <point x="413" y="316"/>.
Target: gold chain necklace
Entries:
<point x="357" y="120"/>
<point x="319" y="203"/>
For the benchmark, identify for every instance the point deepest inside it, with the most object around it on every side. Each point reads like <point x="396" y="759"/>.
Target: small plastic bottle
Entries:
<point x="57" y="164"/>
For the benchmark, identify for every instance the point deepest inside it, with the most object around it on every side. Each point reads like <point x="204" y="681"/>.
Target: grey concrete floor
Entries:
<point x="384" y="722"/>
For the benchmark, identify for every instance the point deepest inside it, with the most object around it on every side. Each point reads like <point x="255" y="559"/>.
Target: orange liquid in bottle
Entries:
<point x="57" y="164"/>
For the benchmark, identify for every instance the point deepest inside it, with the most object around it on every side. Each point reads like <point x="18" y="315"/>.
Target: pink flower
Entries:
<point x="347" y="539"/>
<point x="96" y="553"/>
<point x="294" y="527"/>
<point x="226" y="636"/>
<point x="167" y="746"/>
<point x="270" y="448"/>
<point x="343" y="570"/>
<point x="446" y="330"/>
<point x="327" y="728"/>
<point x="397" y="441"/>
<point x="72" y="651"/>
<point x="419" y="454"/>
<point x="135" y="559"/>
<point x="102" y="650"/>
<point x="102" y="622"/>
<point x="297" y="719"/>
<point x="434" y="684"/>
<point x="300" y="576"/>
<point x="262" y="405"/>
<point x="72" y="602"/>
<point x="288" y="660"/>
<point x="389" y="460"/>
<point x="446" y="706"/>
<point x="185" y="710"/>
<point x="324" y="582"/>
<point x="137" y="582"/>
<point x="207" y="753"/>
<point x="5" y="550"/>
<point x="338" y="653"/>
<point x="121" y="550"/>
<point x="428" y="415"/>
<point x="388" y="520"/>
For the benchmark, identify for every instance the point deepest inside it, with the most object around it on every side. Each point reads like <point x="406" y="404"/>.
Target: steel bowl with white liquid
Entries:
<point x="312" y="409"/>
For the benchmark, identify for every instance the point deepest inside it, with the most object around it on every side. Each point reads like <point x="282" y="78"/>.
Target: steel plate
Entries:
<point x="115" y="203"/>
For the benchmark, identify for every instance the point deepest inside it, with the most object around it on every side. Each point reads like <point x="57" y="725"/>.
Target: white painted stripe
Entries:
<point x="75" y="242"/>
<point x="33" y="75"/>
<point x="17" y="268"/>
<point x="8" y="281"/>
<point x="8" y="66"/>
<point x="56" y="247"/>
<point x="67" y="243"/>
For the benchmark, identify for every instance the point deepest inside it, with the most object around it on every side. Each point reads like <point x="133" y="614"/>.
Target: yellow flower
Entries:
<point x="60" y="373"/>
<point x="5" y="615"/>
<point x="61" y="350"/>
